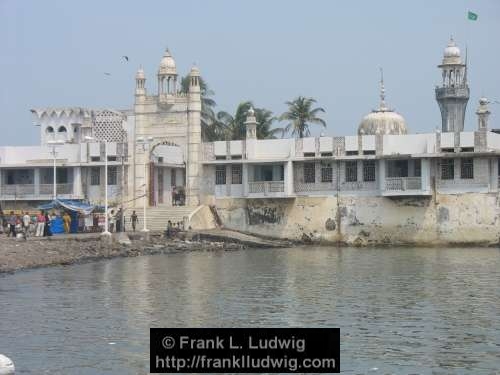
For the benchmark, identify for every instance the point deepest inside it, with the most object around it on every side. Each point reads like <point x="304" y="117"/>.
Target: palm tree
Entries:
<point x="265" y="120"/>
<point x="300" y="114"/>
<point x="234" y="126"/>
<point x="208" y="128"/>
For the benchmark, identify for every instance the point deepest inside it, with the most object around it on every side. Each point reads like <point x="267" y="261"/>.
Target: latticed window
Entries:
<point x="220" y="175"/>
<point x="95" y="176"/>
<point x="467" y="168"/>
<point x="326" y="173"/>
<point x="418" y="168"/>
<point x="351" y="171"/>
<point x="112" y="175"/>
<point x="447" y="169"/>
<point x="309" y="173"/>
<point x="368" y="170"/>
<point x="236" y="174"/>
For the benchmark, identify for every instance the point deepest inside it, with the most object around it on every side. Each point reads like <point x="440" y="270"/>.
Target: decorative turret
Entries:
<point x="140" y="83"/>
<point x="251" y="124"/>
<point x="453" y="94"/>
<point x="167" y="75"/>
<point x="482" y="113"/>
<point x="194" y="80"/>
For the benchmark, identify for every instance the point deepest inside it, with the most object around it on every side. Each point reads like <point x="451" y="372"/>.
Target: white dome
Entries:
<point x="140" y="74"/>
<point x="451" y="53"/>
<point x="167" y="64"/>
<point x="382" y="122"/>
<point x="195" y="71"/>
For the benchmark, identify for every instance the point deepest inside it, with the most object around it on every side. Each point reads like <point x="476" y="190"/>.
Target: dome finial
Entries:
<point x="383" y="107"/>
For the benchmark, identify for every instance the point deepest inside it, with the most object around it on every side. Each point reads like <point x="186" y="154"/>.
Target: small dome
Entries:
<point x="451" y="53"/>
<point x="140" y="74"/>
<point x="194" y="71"/>
<point x="382" y="122"/>
<point x="167" y="64"/>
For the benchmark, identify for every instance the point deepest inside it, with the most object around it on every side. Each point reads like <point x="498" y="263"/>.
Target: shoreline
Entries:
<point x="17" y="255"/>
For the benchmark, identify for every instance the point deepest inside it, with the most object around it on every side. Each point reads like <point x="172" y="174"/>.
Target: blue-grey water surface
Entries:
<point x="400" y="310"/>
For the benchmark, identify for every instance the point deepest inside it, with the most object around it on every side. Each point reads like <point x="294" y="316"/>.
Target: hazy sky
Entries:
<point x="55" y="53"/>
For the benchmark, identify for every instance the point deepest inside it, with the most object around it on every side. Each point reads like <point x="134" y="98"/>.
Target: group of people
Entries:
<point x="173" y="228"/>
<point x="37" y="225"/>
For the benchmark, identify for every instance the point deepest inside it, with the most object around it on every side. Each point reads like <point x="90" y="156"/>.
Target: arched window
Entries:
<point x="49" y="130"/>
<point x="61" y="129"/>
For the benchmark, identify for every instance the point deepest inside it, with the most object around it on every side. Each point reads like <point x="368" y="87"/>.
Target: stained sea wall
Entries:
<point x="471" y="218"/>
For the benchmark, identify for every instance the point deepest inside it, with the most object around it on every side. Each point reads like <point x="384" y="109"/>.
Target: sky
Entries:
<point x="55" y="53"/>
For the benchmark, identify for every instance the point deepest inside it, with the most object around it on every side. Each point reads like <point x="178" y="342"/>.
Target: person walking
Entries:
<point x="118" y="216"/>
<point x="47" y="230"/>
<point x="67" y="222"/>
<point x="12" y="224"/>
<point x="40" y="224"/>
<point x="134" y="219"/>
<point x="111" y="221"/>
<point x="26" y="224"/>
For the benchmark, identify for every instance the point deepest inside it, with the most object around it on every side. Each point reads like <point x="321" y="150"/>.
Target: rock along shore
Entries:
<point x="42" y="252"/>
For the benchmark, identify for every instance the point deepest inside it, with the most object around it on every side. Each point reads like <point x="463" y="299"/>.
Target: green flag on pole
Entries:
<point x="472" y="16"/>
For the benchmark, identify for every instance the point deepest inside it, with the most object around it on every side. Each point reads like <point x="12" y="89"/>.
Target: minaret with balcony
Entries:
<point x="453" y="94"/>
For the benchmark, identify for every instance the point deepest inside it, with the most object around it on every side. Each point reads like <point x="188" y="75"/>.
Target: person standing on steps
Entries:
<point x="40" y="224"/>
<point x="134" y="219"/>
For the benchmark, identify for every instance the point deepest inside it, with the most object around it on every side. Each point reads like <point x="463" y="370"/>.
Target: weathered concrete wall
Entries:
<point x="443" y="219"/>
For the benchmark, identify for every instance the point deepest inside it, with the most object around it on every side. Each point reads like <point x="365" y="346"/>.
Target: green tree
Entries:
<point x="300" y="115"/>
<point x="208" y="127"/>
<point x="233" y="127"/>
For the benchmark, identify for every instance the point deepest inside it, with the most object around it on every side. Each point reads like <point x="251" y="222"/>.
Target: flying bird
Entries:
<point x="106" y="73"/>
<point x="125" y="57"/>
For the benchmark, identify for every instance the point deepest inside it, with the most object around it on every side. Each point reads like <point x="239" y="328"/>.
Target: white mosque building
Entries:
<point x="268" y="186"/>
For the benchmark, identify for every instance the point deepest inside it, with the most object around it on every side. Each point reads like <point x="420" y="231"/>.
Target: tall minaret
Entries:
<point x="193" y="168"/>
<point x="140" y="84"/>
<point x="453" y="95"/>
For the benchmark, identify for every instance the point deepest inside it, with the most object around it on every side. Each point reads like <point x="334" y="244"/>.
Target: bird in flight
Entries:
<point x="106" y="73"/>
<point x="125" y="57"/>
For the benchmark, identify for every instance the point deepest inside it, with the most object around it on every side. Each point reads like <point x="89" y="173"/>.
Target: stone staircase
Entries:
<point x="158" y="217"/>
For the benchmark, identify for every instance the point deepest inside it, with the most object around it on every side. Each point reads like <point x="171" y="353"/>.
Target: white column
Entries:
<point x="36" y="181"/>
<point x="244" y="179"/>
<point x="381" y="174"/>
<point x="289" y="178"/>
<point x="77" y="181"/>
<point x="426" y="174"/>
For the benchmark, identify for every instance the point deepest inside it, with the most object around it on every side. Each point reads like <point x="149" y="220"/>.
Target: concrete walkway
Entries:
<point x="226" y="235"/>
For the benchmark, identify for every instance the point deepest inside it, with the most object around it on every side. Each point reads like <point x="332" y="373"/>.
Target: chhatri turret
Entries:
<point x="453" y="95"/>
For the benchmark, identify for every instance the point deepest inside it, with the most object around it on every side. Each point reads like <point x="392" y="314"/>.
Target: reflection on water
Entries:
<point x="400" y="311"/>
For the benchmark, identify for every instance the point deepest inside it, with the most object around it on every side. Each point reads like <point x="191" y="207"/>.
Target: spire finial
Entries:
<point x="382" y="91"/>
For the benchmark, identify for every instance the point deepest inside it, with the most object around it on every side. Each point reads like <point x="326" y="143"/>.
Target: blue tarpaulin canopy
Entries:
<point x="68" y="204"/>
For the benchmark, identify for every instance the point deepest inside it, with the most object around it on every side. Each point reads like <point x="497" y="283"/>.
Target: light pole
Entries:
<point x="54" y="144"/>
<point x="145" y="143"/>
<point x="106" y="221"/>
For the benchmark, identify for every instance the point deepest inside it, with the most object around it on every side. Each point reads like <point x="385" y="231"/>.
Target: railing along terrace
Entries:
<point x="47" y="189"/>
<point x="265" y="187"/>
<point x="18" y="190"/>
<point x="403" y="183"/>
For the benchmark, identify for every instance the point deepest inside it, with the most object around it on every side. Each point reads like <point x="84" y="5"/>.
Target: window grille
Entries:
<point x="351" y="171"/>
<point x="326" y="173"/>
<point x="467" y="168"/>
<point x="309" y="173"/>
<point x="220" y="175"/>
<point x="236" y="174"/>
<point x="447" y="169"/>
<point x="112" y="175"/>
<point x="369" y="170"/>
<point x="418" y="167"/>
<point x="95" y="176"/>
